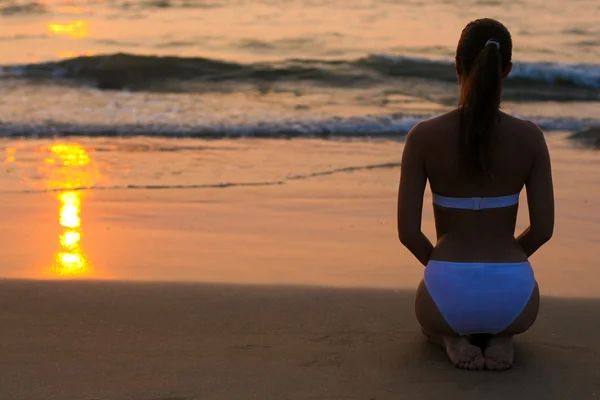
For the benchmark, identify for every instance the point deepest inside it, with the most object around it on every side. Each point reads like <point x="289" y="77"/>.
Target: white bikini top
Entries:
<point x="476" y="203"/>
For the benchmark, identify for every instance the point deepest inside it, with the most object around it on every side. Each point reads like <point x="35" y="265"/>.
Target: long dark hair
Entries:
<point x="483" y="54"/>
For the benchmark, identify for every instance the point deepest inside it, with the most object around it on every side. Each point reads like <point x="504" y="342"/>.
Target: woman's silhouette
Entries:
<point x="477" y="160"/>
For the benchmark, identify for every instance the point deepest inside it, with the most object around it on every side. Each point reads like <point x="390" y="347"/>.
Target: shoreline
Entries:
<point x="334" y="230"/>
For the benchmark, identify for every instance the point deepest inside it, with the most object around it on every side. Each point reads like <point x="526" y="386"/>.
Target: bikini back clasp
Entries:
<point x="476" y="203"/>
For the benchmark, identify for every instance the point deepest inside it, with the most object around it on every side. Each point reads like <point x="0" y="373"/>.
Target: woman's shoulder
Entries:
<point x="431" y="126"/>
<point x="449" y="121"/>
<point x="439" y="130"/>
<point x="442" y="121"/>
<point x="436" y="130"/>
<point x="524" y="124"/>
<point x="526" y="130"/>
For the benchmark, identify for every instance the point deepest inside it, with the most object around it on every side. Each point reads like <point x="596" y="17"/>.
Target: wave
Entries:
<point x="368" y="126"/>
<point x="392" y="126"/>
<point x="150" y="4"/>
<point x="582" y="75"/>
<point x="138" y="72"/>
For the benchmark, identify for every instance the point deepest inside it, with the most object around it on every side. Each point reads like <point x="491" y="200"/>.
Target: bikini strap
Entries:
<point x="476" y="203"/>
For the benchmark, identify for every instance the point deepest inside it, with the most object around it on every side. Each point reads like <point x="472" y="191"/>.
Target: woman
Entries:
<point x="477" y="159"/>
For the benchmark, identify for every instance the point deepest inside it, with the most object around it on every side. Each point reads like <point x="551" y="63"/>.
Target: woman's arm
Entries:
<point x="413" y="179"/>
<point x="540" y="198"/>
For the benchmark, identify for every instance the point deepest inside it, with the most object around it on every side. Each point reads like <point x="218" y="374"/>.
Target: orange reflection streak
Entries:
<point x="74" y="29"/>
<point x="10" y="155"/>
<point x="70" y="260"/>
<point x="70" y="168"/>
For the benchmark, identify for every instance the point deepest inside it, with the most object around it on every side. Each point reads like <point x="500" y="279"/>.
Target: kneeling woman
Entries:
<point x="477" y="160"/>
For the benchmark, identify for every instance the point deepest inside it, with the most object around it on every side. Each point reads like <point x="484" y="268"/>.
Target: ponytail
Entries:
<point x="479" y="106"/>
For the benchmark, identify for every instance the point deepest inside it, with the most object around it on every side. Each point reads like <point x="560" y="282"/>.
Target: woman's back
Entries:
<point x="485" y="235"/>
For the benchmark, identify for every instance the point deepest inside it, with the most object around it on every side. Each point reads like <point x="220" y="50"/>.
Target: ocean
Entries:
<point x="214" y="119"/>
<point x="286" y="68"/>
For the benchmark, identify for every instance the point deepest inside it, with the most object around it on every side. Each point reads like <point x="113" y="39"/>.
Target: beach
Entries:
<point x="198" y="198"/>
<point x="294" y="290"/>
<point x="322" y="213"/>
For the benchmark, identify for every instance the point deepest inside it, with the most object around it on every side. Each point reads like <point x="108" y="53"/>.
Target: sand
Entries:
<point x="293" y="291"/>
<point x="79" y="340"/>
<point x="337" y="230"/>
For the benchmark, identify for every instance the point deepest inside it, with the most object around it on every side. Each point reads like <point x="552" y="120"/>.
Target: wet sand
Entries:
<point x="335" y="230"/>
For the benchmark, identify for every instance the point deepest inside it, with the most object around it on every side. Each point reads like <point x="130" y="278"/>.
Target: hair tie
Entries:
<point x="494" y="42"/>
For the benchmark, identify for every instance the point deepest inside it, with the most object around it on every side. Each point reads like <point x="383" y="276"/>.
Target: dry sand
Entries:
<point x="79" y="340"/>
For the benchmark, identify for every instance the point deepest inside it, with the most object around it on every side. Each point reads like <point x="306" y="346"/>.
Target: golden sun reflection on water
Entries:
<point x="65" y="169"/>
<point x="70" y="260"/>
<point x="74" y="29"/>
<point x="70" y="168"/>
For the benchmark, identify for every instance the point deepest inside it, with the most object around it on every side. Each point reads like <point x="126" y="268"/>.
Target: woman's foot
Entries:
<point x="463" y="354"/>
<point x="499" y="353"/>
<point x="460" y="351"/>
